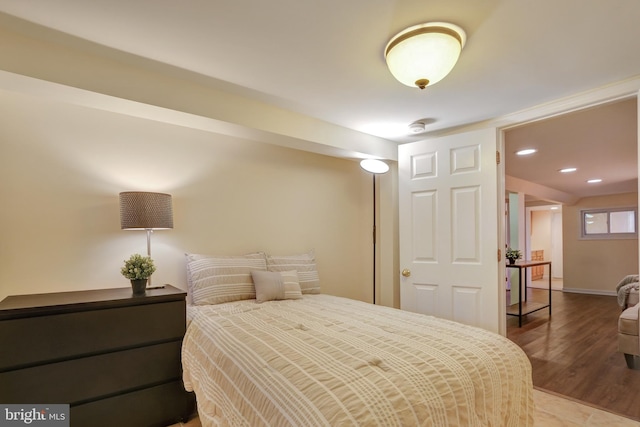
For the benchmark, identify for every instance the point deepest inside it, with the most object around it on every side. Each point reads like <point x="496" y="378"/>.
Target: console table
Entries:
<point x="522" y="308"/>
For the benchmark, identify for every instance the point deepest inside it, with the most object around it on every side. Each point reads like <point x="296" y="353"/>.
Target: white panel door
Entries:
<point x="449" y="228"/>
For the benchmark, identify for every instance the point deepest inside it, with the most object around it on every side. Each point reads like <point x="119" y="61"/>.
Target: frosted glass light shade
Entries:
<point x="374" y="166"/>
<point x="424" y="54"/>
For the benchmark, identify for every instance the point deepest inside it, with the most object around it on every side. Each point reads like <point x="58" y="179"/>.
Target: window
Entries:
<point x="619" y="223"/>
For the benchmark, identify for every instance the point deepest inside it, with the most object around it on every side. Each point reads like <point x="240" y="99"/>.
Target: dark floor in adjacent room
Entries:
<point x="573" y="352"/>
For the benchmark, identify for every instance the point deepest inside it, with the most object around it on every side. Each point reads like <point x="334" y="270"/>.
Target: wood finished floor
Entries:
<point x="574" y="352"/>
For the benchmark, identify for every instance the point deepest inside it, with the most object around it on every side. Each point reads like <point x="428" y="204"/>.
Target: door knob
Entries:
<point x="406" y="272"/>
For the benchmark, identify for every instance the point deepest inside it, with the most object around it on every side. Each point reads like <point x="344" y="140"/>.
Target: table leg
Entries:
<point x="520" y="298"/>
<point x="549" y="289"/>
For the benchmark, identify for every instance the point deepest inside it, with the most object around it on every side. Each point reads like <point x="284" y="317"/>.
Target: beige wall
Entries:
<point x="62" y="167"/>
<point x="541" y="233"/>
<point x="79" y="123"/>
<point x="596" y="266"/>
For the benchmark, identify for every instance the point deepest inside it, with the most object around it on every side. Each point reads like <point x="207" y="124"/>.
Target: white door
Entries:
<point x="449" y="228"/>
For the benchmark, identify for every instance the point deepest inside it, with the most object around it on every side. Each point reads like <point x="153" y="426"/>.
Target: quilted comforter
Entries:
<point x="330" y="361"/>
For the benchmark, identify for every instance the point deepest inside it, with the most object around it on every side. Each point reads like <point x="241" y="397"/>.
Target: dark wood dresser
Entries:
<point x="114" y="357"/>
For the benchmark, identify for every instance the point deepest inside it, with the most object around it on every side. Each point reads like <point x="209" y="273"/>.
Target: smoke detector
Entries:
<point x="417" y="127"/>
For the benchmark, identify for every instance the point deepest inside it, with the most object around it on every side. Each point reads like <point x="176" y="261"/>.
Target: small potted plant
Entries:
<point x="138" y="269"/>
<point x="513" y="255"/>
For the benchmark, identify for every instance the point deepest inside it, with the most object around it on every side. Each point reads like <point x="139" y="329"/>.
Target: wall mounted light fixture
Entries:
<point x="424" y="54"/>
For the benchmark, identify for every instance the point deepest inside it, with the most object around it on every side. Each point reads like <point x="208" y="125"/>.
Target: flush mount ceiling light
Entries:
<point x="424" y="54"/>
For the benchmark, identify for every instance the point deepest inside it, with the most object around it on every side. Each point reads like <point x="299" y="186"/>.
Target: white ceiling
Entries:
<point x="601" y="142"/>
<point x="324" y="58"/>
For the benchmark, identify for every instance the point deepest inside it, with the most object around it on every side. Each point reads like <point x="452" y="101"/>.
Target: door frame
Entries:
<point x="609" y="94"/>
<point x="600" y="96"/>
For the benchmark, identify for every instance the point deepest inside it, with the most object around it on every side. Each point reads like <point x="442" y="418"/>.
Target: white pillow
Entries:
<point x="218" y="279"/>
<point x="304" y="264"/>
<point x="274" y="285"/>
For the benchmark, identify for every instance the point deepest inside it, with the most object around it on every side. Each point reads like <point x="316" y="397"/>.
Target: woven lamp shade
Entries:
<point x="141" y="210"/>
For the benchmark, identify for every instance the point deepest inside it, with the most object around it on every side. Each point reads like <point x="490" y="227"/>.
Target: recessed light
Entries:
<point x="526" y="152"/>
<point x="568" y="170"/>
<point x="594" y="181"/>
<point x="554" y="208"/>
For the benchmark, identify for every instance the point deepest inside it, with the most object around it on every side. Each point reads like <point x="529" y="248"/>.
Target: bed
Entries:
<point x="303" y="358"/>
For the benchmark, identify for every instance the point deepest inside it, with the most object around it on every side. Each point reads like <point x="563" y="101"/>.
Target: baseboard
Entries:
<point x="590" y="291"/>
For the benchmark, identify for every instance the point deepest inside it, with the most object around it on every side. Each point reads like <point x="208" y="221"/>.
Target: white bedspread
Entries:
<point x="329" y="361"/>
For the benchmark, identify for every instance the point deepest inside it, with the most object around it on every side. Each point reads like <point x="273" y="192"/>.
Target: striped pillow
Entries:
<point x="218" y="279"/>
<point x="304" y="264"/>
<point x="274" y="285"/>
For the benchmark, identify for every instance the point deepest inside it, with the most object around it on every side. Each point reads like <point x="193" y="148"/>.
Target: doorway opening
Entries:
<point x="543" y="241"/>
<point x="570" y="149"/>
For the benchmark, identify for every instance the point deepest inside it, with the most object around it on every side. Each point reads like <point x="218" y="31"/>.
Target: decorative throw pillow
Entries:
<point x="218" y="279"/>
<point x="304" y="264"/>
<point x="275" y="285"/>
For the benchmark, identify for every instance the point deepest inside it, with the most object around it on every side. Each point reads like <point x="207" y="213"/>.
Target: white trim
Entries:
<point x="599" y="96"/>
<point x="501" y="209"/>
<point x="603" y="95"/>
<point x="590" y="292"/>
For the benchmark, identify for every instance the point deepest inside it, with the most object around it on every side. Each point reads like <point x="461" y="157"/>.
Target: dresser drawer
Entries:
<point x="158" y="406"/>
<point x="44" y="339"/>
<point x="90" y="378"/>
